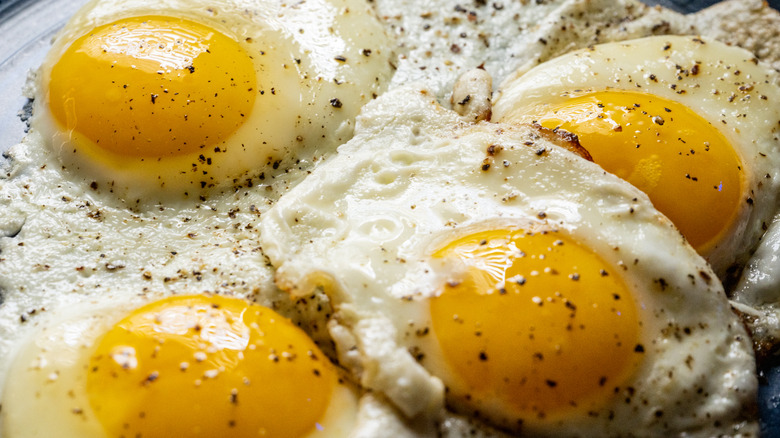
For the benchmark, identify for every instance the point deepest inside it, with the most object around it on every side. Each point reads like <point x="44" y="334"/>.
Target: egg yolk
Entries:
<point x="681" y="161"/>
<point x="152" y="87"/>
<point x="202" y="366"/>
<point x="538" y="325"/>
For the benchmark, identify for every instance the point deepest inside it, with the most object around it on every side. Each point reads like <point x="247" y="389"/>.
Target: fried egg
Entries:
<point x="188" y="365"/>
<point x="379" y="256"/>
<point x="79" y="222"/>
<point x="529" y="288"/>
<point x="692" y="122"/>
<point x="172" y="101"/>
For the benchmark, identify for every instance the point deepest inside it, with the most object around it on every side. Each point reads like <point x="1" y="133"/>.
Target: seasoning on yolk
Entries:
<point x="208" y="366"/>
<point x="537" y="326"/>
<point x="153" y="87"/>
<point x="681" y="161"/>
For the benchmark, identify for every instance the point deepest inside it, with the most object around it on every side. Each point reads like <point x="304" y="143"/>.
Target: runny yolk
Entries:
<point x="197" y="366"/>
<point x="538" y="325"/>
<point x="681" y="161"/>
<point x="153" y="87"/>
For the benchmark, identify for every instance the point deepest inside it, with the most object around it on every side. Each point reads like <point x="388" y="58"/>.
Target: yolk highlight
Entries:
<point x="153" y="87"/>
<point x="197" y="366"/>
<point x="538" y="325"/>
<point x="681" y="161"/>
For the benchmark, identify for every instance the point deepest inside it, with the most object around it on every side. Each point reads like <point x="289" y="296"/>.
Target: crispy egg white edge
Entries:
<point x="307" y="238"/>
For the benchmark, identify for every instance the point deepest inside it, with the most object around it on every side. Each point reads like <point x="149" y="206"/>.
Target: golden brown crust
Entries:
<point x="565" y="139"/>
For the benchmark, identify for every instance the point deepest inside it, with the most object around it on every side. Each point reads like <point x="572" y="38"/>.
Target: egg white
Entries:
<point x="68" y="237"/>
<point x="730" y="89"/>
<point x="439" y="41"/>
<point x="360" y="228"/>
<point x="48" y="374"/>
<point x="63" y="243"/>
<point x="305" y="56"/>
<point x="757" y="294"/>
<point x="739" y="94"/>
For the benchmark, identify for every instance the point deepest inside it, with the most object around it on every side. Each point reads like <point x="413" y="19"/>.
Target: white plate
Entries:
<point x="27" y="27"/>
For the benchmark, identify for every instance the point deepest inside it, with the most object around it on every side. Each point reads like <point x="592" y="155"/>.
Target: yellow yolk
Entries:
<point x="208" y="366"/>
<point x="682" y="162"/>
<point x="152" y="87"/>
<point x="538" y="325"/>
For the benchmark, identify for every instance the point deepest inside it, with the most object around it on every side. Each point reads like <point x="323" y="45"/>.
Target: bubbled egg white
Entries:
<point x="173" y="100"/>
<point x="547" y="296"/>
<point x="690" y="121"/>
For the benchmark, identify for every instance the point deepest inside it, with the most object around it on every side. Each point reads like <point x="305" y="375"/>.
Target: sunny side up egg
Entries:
<point x="259" y="92"/>
<point x="174" y="99"/>
<point x="187" y="365"/>
<point x="692" y="122"/>
<point x="528" y="288"/>
<point x="281" y="84"/>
